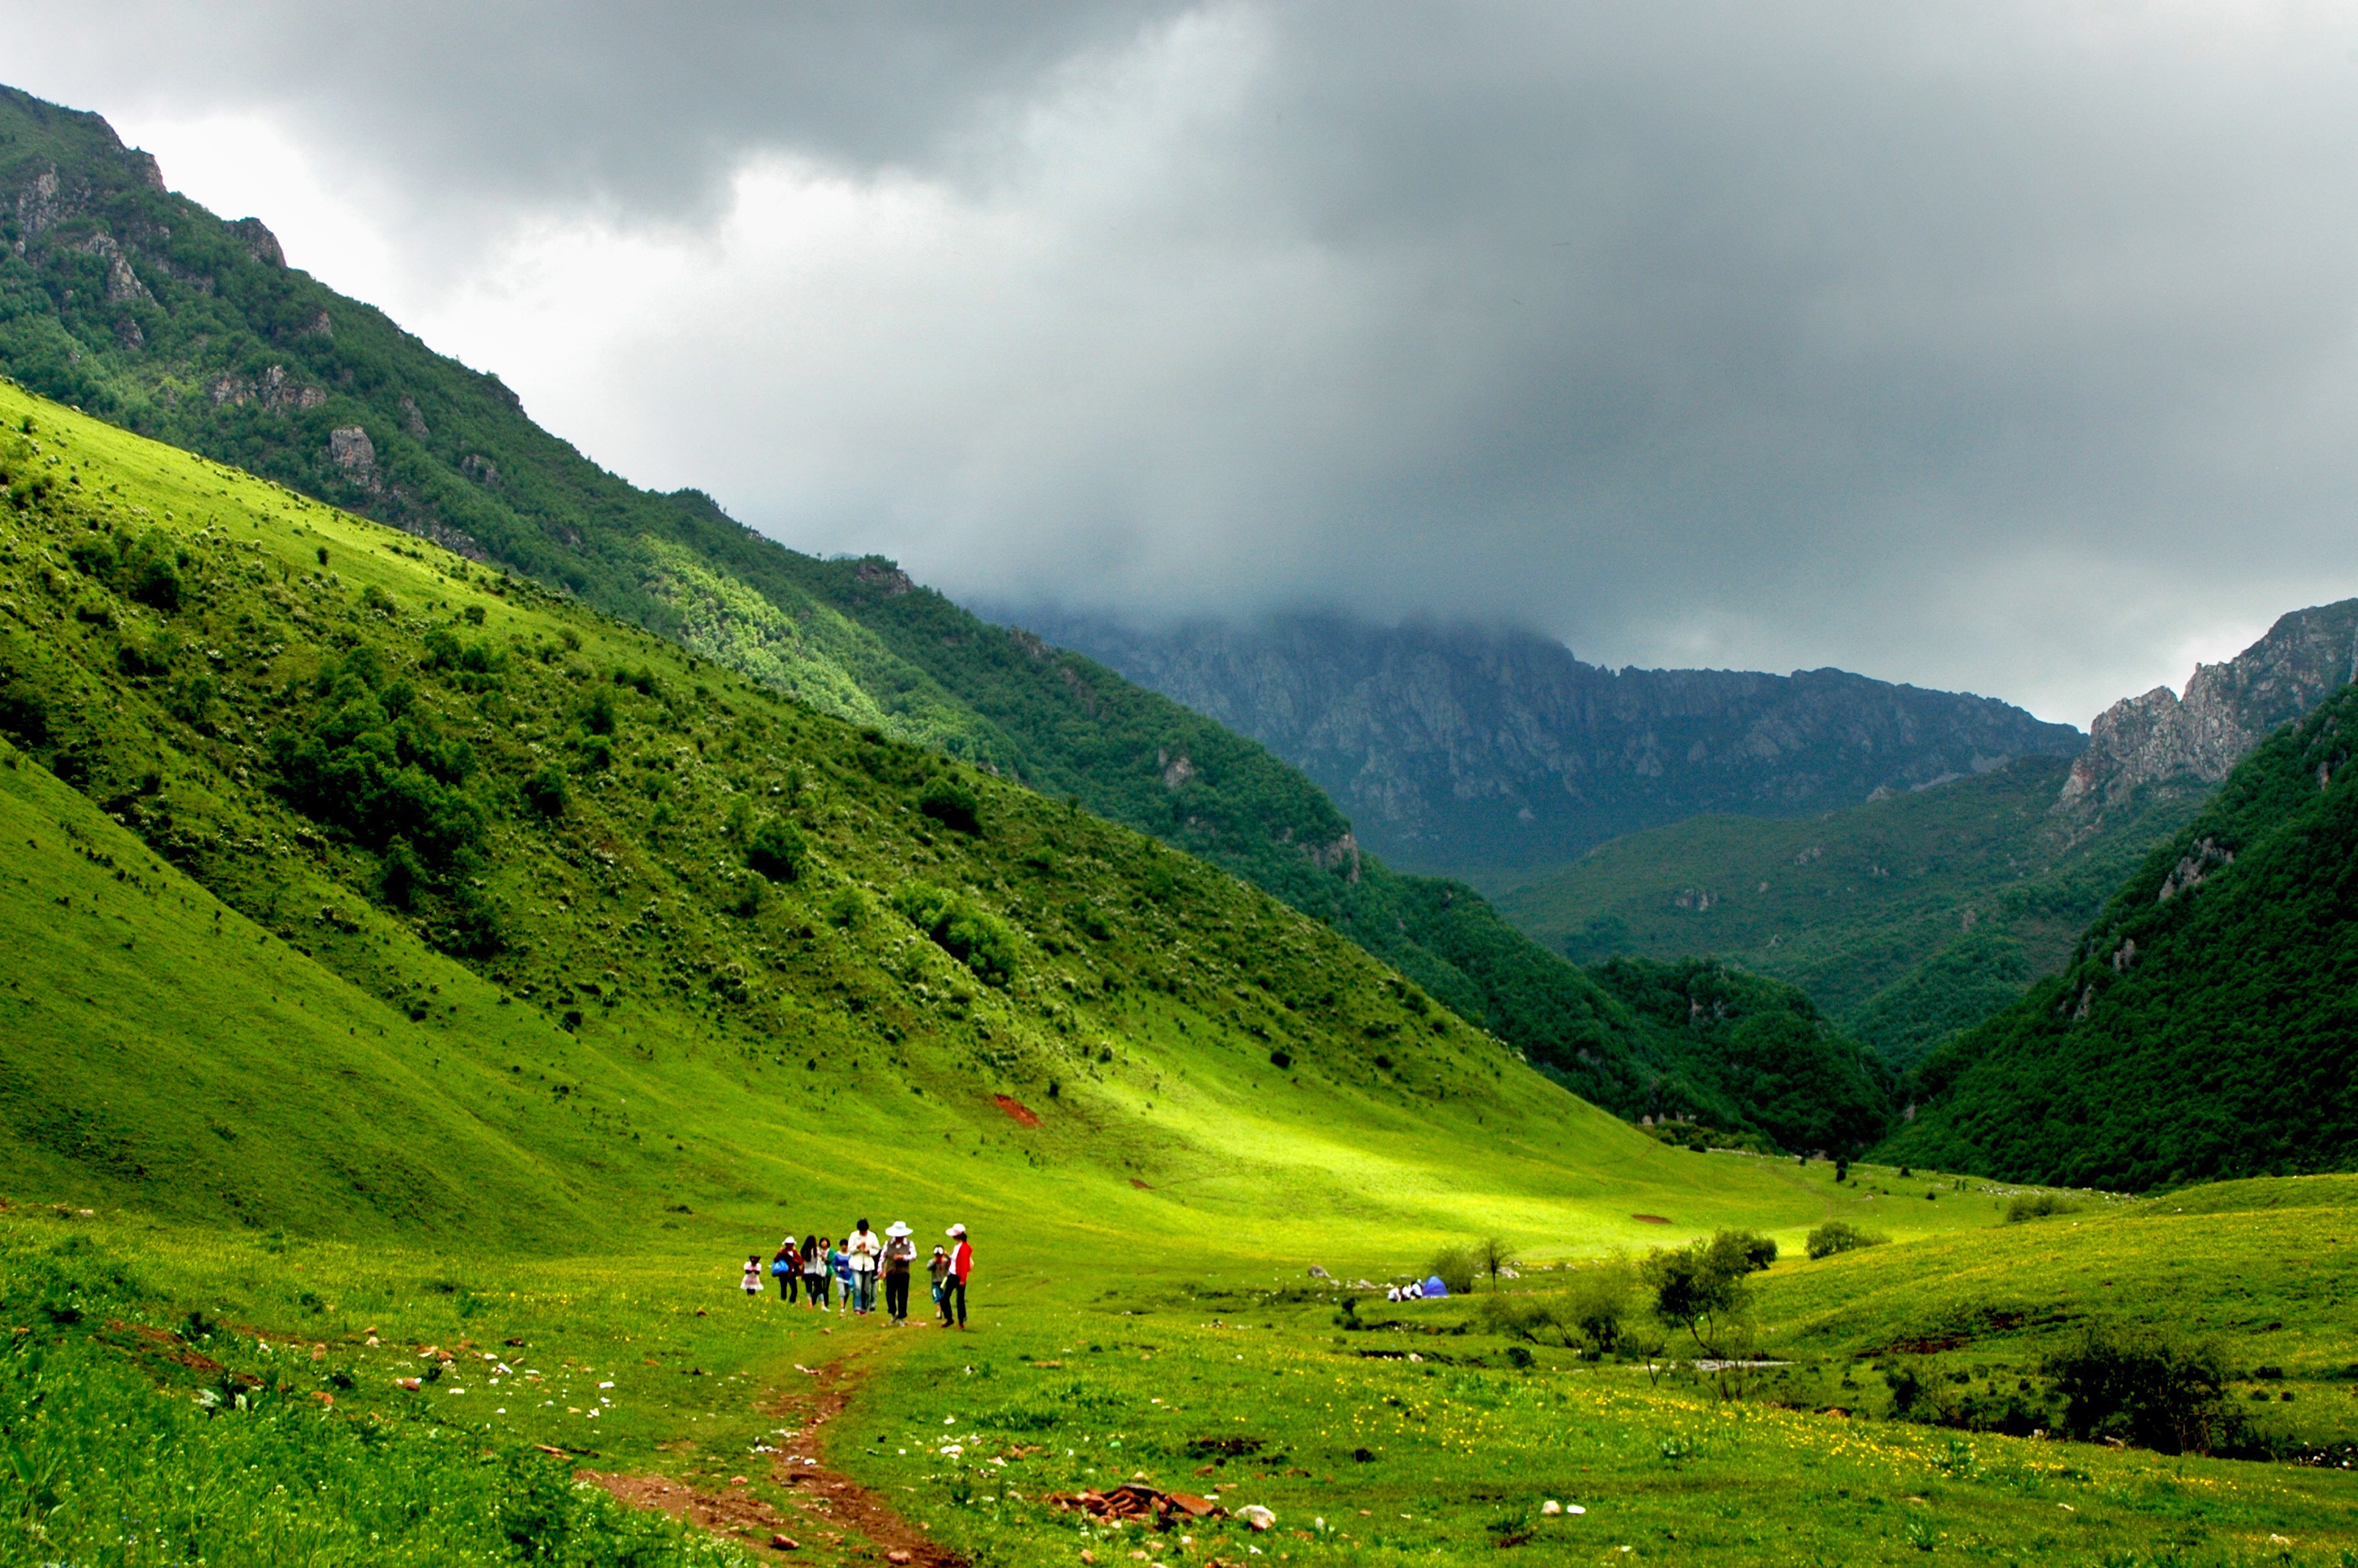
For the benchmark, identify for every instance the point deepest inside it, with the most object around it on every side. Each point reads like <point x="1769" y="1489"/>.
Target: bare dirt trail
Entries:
<point x="827" y="1505"/>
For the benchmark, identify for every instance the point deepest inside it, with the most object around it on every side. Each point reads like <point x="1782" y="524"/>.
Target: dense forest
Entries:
<point x="2203" y="1027"/>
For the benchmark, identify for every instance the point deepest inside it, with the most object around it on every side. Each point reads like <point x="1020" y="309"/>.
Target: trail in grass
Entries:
<point x="831" y="1503"/>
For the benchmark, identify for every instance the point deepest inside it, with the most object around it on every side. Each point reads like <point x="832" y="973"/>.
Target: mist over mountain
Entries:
<point x="1470" y="751"/>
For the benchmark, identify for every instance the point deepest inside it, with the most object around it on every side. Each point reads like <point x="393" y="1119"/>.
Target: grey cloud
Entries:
<point x="1999" y="346"/>
<point x="644" y="110"/>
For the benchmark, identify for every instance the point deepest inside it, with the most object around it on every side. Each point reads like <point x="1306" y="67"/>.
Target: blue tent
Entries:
<point x="1433" y="1287"/>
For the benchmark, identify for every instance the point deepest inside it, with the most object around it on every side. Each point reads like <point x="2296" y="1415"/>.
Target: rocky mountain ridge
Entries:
<point x="2161" y="738"/>
<point x="1470" y="751"/>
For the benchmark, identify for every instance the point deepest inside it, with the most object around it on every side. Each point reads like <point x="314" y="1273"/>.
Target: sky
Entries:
<point x="1997" y="346"/>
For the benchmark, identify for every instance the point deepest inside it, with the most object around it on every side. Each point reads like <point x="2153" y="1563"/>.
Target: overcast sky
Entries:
<point x="2007" y="347"/>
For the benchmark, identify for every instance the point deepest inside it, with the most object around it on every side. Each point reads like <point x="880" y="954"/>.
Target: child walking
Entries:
<point x="753" y="1276"/>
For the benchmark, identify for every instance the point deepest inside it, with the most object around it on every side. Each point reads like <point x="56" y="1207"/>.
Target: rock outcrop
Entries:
<point x="2228" y="708"/>
<point x="1462" y="750"/>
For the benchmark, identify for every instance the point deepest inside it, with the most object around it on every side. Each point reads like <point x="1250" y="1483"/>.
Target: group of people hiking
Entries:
<point x="820" y="1268"/>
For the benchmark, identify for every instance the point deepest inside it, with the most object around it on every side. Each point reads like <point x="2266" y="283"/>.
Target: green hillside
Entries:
<point x="2202" y="1027"/>
<point x="1906" y="919"/>
<point x="138" y="305"/>
<point x="589" y="889"/>
<point x="437" y="990"/>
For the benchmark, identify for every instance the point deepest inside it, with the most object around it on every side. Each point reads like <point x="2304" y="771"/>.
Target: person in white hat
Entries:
<point x="899" y="1251"/>
<point x="954" y="1284"/>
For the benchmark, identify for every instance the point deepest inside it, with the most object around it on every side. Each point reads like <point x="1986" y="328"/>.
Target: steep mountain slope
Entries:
<point x="1468" y="751"/>
<point x="1907" y="919"/>
<point x="140" y="305"/>
<point x="2203" y="1027"/>
<point x="613" y="931"/>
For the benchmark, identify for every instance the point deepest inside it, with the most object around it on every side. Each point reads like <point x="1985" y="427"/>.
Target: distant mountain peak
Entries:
<point x="1464" y="748"/>
<point x="2227" y="710"/>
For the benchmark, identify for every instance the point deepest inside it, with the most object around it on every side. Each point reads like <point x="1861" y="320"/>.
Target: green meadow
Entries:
<point x="415" y="979"/>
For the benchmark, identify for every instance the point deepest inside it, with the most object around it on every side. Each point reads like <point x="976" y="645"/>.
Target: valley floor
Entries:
<point x="170" y="1391"/>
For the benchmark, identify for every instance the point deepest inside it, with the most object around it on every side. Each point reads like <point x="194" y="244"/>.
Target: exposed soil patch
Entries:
<point x="1650" y="1220"/>
<point x="749" y="1519"/>
<point x="1023" y="1114"/>
<point x="828" y="1503"/>
<point x="1141" y="1186"/>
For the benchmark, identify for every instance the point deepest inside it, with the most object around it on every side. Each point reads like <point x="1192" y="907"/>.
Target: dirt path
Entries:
<point x="828" y="1503"/>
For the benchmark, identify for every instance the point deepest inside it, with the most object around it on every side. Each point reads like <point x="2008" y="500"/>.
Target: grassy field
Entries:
<point x="1204" y="1364"/>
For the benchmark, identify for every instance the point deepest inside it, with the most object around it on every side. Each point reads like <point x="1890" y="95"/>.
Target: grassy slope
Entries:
<point x="719" y="1055"/>
<point x="1906" y="919"/>
<point x="2202" y="1028"/>
<point x="219" y="349"/>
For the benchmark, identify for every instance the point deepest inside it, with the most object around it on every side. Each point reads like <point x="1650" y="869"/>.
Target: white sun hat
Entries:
<point x="896" y="1228"/>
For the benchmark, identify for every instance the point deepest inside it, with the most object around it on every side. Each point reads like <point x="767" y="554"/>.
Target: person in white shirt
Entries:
<point x="864" y="1248"/>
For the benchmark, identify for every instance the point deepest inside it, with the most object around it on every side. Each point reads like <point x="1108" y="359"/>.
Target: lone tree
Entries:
<point x="1496" y="1255"/>
<point x="1704" y="1286"/>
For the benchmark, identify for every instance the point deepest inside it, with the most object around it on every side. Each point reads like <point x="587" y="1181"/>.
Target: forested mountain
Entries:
<point x="1487" y="755"/>
<point x="1907" y="919"/>
<point x="2204" y="1025"/>
<point x="1913" y="917"/>
<point x="137" y="305"/>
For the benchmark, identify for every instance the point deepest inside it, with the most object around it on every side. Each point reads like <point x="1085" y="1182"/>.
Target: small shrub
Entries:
<point x="953" y="805"/>
<point x="961" y="927"/>
<point x="598" y="714"/>
<point x="1839" y="1236"/>
<point x="473" y="614"/>
<point x="2147" y="1389"/>
<point x="1281" y="1060"/>
<point x="400" y="875"/>
<point x="1456" y="1267"/>
<point x="2041" y="1206"/>
<point x="547" y="791"/>
<point x="24" y="715"/>
<point x="778" y="850"/>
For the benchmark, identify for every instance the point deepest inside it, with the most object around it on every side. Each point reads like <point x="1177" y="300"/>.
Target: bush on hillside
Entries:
<point x="372" y="764"/>
<point x="961" y="927"/>
<point x="25" y="715"/>
<point x="778" y="850"/>
<point x="2146" y="1388"/>
<point x="1456" y="1267"/>
<point x="546" y="791"/>
<point x="2039" y="1206"/>
<point x="953" y="805"/>
<point x="1597" y="1304"/>
<point x="1839" y="1236"/>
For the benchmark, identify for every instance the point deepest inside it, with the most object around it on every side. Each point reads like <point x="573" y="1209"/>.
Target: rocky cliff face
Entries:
<point x="2228" y="708"/>
<point x="1460" y="750"/>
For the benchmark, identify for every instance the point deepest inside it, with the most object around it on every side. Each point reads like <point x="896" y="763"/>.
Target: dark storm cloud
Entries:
<point x="1997" y="345"/>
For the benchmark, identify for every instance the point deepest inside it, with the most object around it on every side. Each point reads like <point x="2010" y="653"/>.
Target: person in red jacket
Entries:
<point x="954" y="1287"/>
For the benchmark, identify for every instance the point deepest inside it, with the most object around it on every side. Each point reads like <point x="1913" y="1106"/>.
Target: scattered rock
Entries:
<point x="1257" y="1516"/>
<point x="1318" y="1273"/>
<point x="784" y="1543"/>
<point x="1139" y="1502"/>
